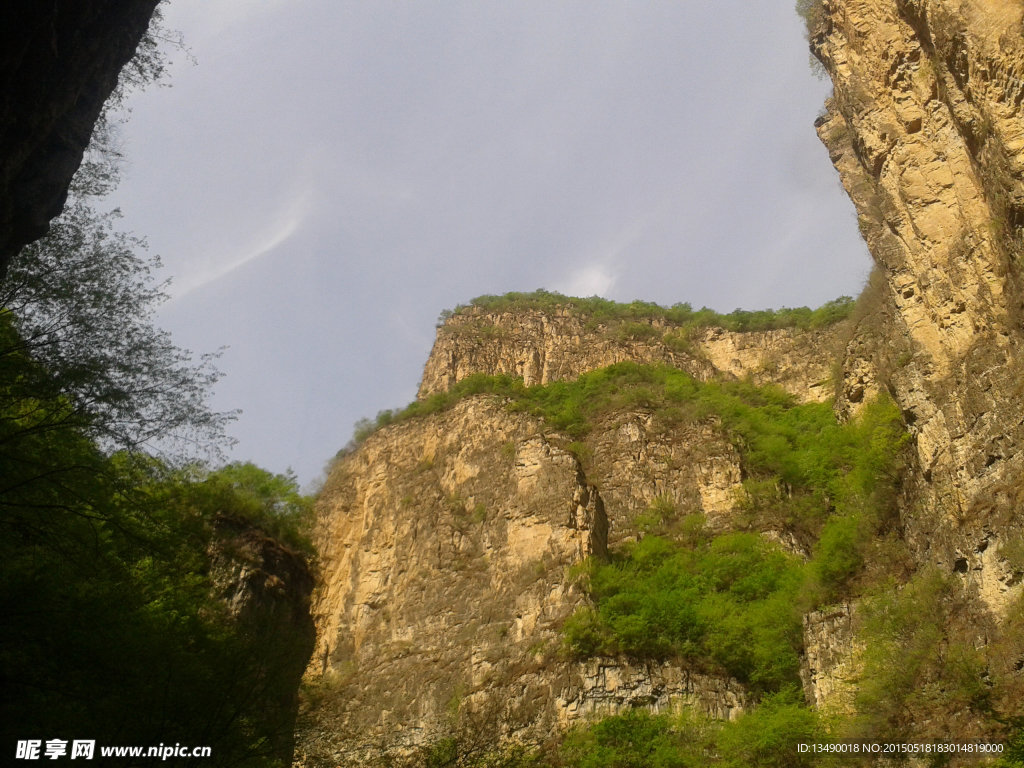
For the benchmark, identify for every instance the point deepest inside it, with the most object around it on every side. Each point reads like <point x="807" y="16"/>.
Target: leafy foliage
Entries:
<point x="110" y="625"/>
<point x="731" y="599"/>
<point x="765" y="737"/>
<point x="812" y="12"/>
<point x="768" y="736"/>
<point x="921" y="663"/>
<point x="638" y="739"/>
<point x="272" y="502"/>
<point x="80" y="304"/>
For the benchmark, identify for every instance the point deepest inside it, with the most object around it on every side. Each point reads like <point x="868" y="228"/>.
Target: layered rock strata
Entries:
<point x="832" y="659"/>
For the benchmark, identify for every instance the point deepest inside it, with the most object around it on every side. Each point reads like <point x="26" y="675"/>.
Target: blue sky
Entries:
<point x="329" y="175"/>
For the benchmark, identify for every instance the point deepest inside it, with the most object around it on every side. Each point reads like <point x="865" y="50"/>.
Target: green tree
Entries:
<point x="114" y="563"/>
<point x="80" y="303"/>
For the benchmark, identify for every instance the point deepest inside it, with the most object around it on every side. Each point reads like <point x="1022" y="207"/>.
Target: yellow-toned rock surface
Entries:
<point x="448" y="542"/>
<point x="560" y="345"/>
<point x="446" y="546"/>
<point x="927" y="132"/>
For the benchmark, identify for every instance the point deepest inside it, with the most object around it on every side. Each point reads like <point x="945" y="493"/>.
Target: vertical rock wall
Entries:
<point x="925" y="128"/>
<point x="447" y="552"/>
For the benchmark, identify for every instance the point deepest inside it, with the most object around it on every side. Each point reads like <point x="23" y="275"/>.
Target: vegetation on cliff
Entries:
<point x="735" y="599"/>
<point x="731" y="600"/>
<point x="827" y="482"/>
<point x="600" y="311"/>
<point x="730" y="603"/>
<point x="767" y="736"/>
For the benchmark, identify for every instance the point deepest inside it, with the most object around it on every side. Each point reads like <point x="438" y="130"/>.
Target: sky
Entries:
<point x="323" y="177"/>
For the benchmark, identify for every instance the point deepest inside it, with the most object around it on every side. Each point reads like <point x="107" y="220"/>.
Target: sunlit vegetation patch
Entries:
<point x="923" y="667"/>
<point x="605" y="312"/>
<point x="766" y="736"/>
<point x="736" y="600"/>
<point x="272" y="502"/>
<point x="732" y="600"/>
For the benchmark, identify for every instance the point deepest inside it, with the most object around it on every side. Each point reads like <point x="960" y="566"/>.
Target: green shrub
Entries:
<point x="767" y="737"/>
<point x="735" y="600"/>
<point x="730" y="600"/>
<point x="638" y="739"/>
<point x="812" y="12"/>
<point x="273" y="502"/>
<point x="839" y="555"/>
<point x="1013" y="757"/>
<point x="658" y="513"/>
<point x="635" y="332"/>
<point x="922" y="669"/>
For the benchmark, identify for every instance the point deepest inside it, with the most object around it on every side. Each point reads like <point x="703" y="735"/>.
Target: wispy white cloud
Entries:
<point x="285" y="222"/>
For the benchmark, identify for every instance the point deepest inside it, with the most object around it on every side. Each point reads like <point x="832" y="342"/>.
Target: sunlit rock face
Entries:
<point x="925" y="128"/>
<point x="561" y="344"/>
<point x="447" y="546"/>
<point x="448" y="542"/>
<point x="832" y="659"/>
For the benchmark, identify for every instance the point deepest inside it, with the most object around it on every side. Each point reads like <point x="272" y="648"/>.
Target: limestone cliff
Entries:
<point x="545" y="346"/>
<point x="448" y="541"/>
<point x="925" y="128"/>
<point x="447" y="547"/>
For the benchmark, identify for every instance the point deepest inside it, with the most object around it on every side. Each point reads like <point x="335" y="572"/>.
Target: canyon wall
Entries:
<point x="449" y="542"/>
<point x="925" y="128"/>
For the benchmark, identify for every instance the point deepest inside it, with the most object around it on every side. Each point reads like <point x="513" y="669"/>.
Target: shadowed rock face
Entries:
<point x="59" y="62"/>
<point x="267" y="588"/>
<point x="925" y="128"/>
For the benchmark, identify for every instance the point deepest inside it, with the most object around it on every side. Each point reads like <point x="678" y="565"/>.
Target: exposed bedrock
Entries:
<point x="925" y="130"/>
